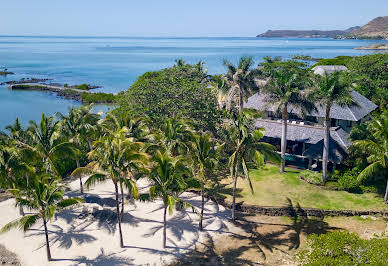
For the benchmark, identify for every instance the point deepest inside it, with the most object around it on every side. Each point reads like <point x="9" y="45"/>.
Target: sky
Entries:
<point x="181" y="18"/>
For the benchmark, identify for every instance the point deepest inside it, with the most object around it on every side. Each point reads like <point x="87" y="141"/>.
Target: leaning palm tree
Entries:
<point x="113" y="157"/>
<point x="204" y="152"/>
<point x="240" y="81"/>
<point x="45" y="195"/>
<point x="330" y="89"/>
<point x="169" y="178"/>
<point x="284" y="90"/>
<point x="246" y="147"/>
<point x="77" y="125"/>
<point x="377" y="149"/>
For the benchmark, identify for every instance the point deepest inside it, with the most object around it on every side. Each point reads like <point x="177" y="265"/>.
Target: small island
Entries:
<point x="380" y="46"/>
<point x="79" y="93"/>
<point x="5" y="72"/>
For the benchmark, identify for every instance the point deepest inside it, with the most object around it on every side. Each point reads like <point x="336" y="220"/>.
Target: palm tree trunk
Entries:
<point x="21" y="211"/>
<point x="386" y="193"/>
<point x="47" y="240"/>
<point x="326" y="139"/>
<point x="241" y="103"/>
<point x="122" y="201"/>
<point x="202" y="205"/>
<point x="234" y="193"/>
<point x="118" y="215"/>
<point x="164" y="227"/>
<point x="80" y="178"/>
<point x="284" y="138"/>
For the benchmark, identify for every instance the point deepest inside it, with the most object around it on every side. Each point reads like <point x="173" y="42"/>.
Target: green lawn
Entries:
<point x="272" y="188"/>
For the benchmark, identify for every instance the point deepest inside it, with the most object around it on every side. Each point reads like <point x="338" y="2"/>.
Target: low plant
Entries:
<point x="344" y="248"/>
<point x="311" y="177"/>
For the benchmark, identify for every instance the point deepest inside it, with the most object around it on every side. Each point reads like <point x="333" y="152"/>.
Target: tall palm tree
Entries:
<point x="45" y="140"/>
<point x="284" y="89"/>
<point x="377" y="149"/>
<point x="240" y="81"/>
<point x="205" y="152"/>
<point x="246" y="147"/>
<point x="77" y="125"/>
<point x="113" y="157"/>
<point x="331" y="89"/>
<point x="168" y="176"/>
<point x="45" y="196"/>
<point x="16" y="131"/>
<point x="180" y="62"/>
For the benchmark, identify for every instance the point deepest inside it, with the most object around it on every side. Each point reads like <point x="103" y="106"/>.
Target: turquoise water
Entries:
<point x="114" y="63"/>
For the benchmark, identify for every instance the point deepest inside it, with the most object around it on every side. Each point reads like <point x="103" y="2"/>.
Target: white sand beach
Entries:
<point x="93" y="239"/>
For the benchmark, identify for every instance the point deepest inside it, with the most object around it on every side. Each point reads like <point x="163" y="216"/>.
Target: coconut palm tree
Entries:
<point x="113" y="157"/>
<point x="204" y="152"/>
<point x="284" y="89"/>
<point x="240" y="81"/>
<point x="169" y="178"/>
<point x="45" y="195"/>
<point x="46" y="141"/>
<point x="175" y="135"/>
<point x="77" y="125"/>
<point x="246" y="147"/>
<point x="377" y="149"/>
<point x="330" y="89"/>
<point x="15" y="169"/>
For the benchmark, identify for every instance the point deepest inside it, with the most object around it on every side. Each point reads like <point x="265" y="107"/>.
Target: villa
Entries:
<point x="305" y="134"/>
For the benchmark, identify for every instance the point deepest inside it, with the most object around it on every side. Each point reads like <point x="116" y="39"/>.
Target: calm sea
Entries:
<point x="114" y="63"/>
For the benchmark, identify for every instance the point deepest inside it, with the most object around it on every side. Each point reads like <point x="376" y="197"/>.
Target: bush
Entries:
<point x="347" y="180"/>
<point x="311" y="177"/>
<point x="99" y="97"/>
<point x="339" y="60"/>
<point x="179" y="90"/>
<point x="344" y="248"/>
<point x="83" y="87"/>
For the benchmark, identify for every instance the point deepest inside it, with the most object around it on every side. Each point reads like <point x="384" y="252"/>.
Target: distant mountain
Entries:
<point x="375" y="29"/>
<point x="306" y="33"/>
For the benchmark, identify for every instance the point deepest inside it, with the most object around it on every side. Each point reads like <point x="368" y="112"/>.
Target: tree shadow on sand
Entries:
<point x="262" y="237"/>
<point x="101" y="260"/>
<point x="65" y="238"/>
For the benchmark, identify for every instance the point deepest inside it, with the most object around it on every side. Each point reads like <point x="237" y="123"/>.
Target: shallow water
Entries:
<point x="114" y="63"/>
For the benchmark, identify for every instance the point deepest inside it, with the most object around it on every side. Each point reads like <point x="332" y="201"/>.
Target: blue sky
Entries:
<point x="181" y="17"/>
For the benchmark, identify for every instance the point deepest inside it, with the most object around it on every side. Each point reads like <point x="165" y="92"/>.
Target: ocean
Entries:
<point x="115" y="62"/>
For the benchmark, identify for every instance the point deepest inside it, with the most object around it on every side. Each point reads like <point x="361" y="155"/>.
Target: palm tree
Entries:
<point x="246" y="147"/>
<point x="377" y="149"/>
<point x="330" y="89"/>
<point x="14" y="168"/>
<point x="205" y="151"/>
<point x="45" y="196"/>
<point x="169" y="177"/>
<point x="16" y="131"/>
<point x="175" y="134"/>
<point x="240" y="81"/>
<point x="77" y="125"/>
<point x="284" y="89"/>
<point x="45" y="140"/>
<point x="113" y="157"/>
<point x="180" y="62"/>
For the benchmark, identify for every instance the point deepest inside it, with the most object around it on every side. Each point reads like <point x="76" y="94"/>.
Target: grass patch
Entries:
<point x="273" y="188"/>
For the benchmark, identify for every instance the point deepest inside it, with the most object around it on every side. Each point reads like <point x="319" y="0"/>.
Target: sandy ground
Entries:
<point x="78" y="239"/>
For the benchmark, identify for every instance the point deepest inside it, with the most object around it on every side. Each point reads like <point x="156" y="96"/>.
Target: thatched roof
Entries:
<point x="336" y="153"/>
<point x="321" y="70"/>
<point x="352" y="113"/>
<point x="303" y="133"/>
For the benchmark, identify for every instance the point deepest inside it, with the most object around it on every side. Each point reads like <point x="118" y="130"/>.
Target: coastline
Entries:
<point x="83" y="96"/>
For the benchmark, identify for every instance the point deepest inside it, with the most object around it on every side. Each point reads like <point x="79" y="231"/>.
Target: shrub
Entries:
<point x="344" y="248"/>
<point x="179" y="90"/>
<point x="83" y="87"/>
<point x="347" y="180"/>
<point x="311" y="177"/>
<point x="99" y="97"/>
